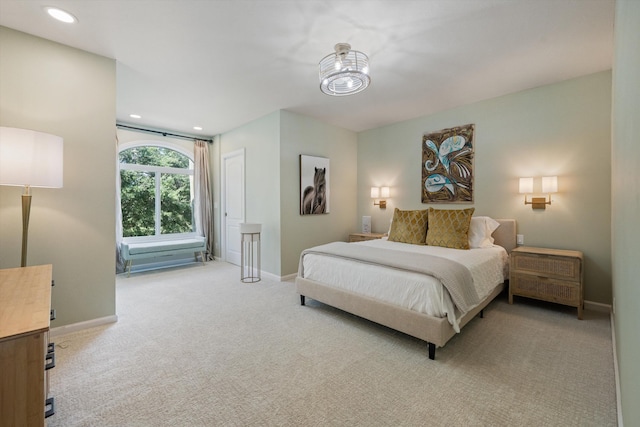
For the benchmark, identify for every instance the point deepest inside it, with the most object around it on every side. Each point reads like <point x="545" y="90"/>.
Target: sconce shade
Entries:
<point x="549" y="184"/>
<point x="377" y="194"/>
<point x="30" y="158"/>
<point x="526" y="185"/>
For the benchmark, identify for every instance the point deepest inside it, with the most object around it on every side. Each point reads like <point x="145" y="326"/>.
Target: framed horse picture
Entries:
<point x="314" y="185"/>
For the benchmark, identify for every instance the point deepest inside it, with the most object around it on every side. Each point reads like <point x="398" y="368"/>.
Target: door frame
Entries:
<point x="223" y="197"/>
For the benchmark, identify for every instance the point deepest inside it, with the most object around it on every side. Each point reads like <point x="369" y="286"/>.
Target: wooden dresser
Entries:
<point x="547" y="274"/>
<point x="25" y="313"/>
<point x="361" y="237"/>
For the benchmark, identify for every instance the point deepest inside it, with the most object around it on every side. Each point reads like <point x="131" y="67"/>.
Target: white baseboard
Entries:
<point x="596" y="306"/>
<point x="74" y="327"/>
<point x="270" y="276"/>
<point x="616" y="372"/>
<point x="288" y="277"/>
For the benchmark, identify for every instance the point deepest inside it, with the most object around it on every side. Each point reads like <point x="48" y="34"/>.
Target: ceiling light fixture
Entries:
<point x="344" y="72"/>
<point x="61" y="15"/>
<point x="135" y="116"/>
<point x="197" y="127"/>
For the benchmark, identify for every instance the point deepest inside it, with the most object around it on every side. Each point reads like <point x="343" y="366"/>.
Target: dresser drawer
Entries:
<point x="547" y="266"/>
<point x="547" y="289"/>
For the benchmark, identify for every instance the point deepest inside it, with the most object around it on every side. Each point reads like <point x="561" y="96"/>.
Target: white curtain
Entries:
<point x="203" y="195"/>
<point x="119" y="260"/>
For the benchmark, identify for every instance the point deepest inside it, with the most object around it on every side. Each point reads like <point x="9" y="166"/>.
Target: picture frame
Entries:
<point x="447" y="165"/>
<point x="314" y="185"/>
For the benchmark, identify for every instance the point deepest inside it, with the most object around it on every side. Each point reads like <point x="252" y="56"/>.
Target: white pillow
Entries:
<point x="480" y="231"/>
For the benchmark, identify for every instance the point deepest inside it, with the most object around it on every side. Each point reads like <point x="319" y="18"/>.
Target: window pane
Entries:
<point x="154" y="156"/>
<point x="137" y="197"/>
<point x="176" y="209"/>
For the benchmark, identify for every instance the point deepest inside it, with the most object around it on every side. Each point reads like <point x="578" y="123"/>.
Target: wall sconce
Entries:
<point x="380" y="193"/>
<point x="549" y="186"/>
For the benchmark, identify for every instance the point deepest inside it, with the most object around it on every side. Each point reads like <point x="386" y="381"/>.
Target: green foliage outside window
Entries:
<point x="138" y="193"/>
<point x="176" y="213"/>
<point x="137" y="196"/>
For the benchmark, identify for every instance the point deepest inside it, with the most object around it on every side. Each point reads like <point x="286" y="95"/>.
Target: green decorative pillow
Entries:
<point x="409" y="226"/>
<point x="449" y="227"/>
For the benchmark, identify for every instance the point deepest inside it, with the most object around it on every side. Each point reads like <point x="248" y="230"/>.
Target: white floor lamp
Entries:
<point x="30" y="159"/>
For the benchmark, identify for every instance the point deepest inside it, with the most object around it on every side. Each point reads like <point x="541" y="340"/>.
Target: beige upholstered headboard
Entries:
<point x="505" y="234"/>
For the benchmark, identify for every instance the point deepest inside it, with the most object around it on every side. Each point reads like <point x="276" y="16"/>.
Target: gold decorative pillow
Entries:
<point x="449" y="227"/>
<point x="409" y="226"/>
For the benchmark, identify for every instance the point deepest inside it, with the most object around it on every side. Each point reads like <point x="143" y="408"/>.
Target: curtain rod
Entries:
<point x="163" y="133"/>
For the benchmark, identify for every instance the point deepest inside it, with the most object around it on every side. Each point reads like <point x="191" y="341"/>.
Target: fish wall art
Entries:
<point x="447" y="165"/>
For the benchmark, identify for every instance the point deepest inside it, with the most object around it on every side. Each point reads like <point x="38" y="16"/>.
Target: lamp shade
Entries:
<point x="526" y="185"/>
<point x="375" y="192"/>
<point x="384" y="192"/>
<point x="30" y="158"/>
<point x="549" y="184"/>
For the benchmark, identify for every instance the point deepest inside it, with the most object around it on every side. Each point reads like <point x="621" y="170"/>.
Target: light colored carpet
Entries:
<point x="196" y="347"/>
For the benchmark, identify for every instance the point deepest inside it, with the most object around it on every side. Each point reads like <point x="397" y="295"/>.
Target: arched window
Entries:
<point x="156" y="191"/>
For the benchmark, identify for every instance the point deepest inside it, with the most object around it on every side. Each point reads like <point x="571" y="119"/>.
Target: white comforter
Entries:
<point x="414" y="291"/>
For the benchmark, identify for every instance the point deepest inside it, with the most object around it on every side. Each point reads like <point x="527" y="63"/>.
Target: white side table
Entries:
<point x="250" y="238"/>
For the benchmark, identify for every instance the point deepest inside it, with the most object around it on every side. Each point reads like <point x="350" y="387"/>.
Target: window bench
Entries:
<point x="140" y="250"/>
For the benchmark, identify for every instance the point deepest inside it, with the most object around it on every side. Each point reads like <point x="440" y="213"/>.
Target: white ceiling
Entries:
<point x="222" y="63"/>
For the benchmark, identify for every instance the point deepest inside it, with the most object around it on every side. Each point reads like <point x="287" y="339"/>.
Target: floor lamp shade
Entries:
<point x="30" y="158"/>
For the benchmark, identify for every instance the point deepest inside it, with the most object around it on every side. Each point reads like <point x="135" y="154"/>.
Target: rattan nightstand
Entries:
<point x="361" y="237"/>
<point x="547" y="274"/>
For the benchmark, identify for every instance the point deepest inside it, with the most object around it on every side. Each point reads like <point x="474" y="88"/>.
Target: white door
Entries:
<point x="233" y="200"/>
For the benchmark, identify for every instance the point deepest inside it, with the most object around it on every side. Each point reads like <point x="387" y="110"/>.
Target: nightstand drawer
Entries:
<point x="548" y="266"/>
<point x="361" y="237"/>
<point x="553" y="275"/>
<point x="547" y="289"/>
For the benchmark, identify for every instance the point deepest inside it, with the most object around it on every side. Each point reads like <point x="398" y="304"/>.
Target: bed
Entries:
<point x="336" y="275"/>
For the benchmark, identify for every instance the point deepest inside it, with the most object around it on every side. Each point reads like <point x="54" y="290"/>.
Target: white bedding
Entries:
<point x="414" y="291"/>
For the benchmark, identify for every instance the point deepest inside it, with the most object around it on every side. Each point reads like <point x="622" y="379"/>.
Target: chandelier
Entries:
<point x="344" y="72"/>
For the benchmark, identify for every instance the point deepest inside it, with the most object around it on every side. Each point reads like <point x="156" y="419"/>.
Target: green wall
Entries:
<point x="304" y="135"/>
<point x="272" y="146"/>
<point x="561" y="129"/>
<point x="261" y="142"/>
<point x="56" y="89"/>
<point x="625" y="190"/>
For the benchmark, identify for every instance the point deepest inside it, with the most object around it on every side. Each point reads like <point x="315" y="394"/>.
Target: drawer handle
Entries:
<point x="52" y="314"/>
<point x="52" y="407"/>
<point x="543" y="278"/>
<point x="51" y="347"/>
<point x="53" y="282"/>
<point x="51" y="361"/>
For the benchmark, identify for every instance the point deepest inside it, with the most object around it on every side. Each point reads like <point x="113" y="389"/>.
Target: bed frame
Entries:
<point x="434" y="330"/>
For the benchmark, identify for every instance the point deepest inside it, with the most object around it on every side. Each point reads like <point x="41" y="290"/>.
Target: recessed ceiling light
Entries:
<point x="61" y="15"/>
<point x="197" y="127"/>
<point x="135" y="116"/>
